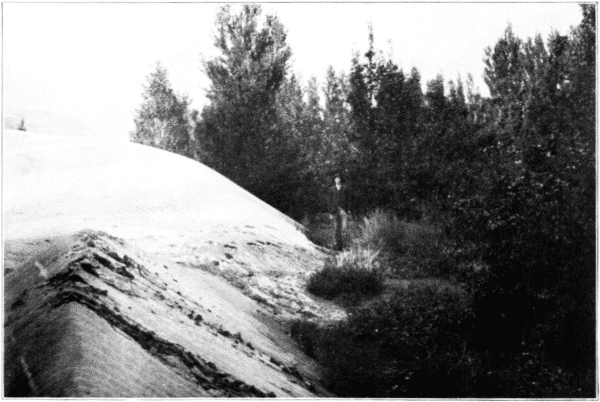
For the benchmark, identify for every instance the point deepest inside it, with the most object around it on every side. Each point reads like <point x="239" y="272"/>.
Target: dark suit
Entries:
<point x="339" y="202"/>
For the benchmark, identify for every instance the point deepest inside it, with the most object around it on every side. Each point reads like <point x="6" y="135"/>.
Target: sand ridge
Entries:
<point x="101" y="293"/>
<point x="133" y="272"/>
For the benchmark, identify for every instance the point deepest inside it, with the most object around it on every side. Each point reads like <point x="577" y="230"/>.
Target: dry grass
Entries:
<point x="366" y="258"/>
<point x="349" y="277"/>
<point x="410" y="249"/>
<point x="383" y="230"/>
<point x="405" y="249"/>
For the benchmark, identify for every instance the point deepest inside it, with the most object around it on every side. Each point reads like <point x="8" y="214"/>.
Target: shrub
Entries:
<point x="526" y="374"/>
<point x="306" y="334"/>
<point x="420" y="342"/>
<point x="352" y="275"/>
<point x="416" y="249"/>
<point x="382" y="229"/>
<point x="411" y="344"/>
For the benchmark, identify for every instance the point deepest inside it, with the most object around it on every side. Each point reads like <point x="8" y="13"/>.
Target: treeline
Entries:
<point x="511" y="177"/>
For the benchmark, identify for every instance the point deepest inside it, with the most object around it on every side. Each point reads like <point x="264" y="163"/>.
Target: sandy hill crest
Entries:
<point x="189" y="300"/>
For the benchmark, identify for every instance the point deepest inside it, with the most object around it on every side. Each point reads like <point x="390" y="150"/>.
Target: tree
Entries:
<point x="533" y="209"/>
<point x="163" y="120"/>
<point x="242" y="124"/>
<point x="385" y="114"/>
<point x="573" y="149"/>
<point x="362" y="100"/>
<point x="294" y="122"/>
<point x="22" y="125"/>
<point x="338" y="153"/>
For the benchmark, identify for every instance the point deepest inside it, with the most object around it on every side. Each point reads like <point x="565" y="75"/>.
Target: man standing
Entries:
<point x="338" y="205"/>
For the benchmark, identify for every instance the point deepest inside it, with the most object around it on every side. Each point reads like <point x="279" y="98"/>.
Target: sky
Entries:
<point x="86" y="63"/>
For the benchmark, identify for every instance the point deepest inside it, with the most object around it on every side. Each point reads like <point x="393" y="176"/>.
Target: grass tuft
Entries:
<point x="353" y="274"/>
<point x="383" y="230"/>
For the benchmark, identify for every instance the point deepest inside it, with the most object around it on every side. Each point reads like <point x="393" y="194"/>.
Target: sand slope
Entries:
<point x="56" y="184"/>
<point x="132" y="272"/>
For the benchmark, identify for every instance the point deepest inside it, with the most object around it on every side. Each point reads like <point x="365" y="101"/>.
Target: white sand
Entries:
<point x="240" y="262"/>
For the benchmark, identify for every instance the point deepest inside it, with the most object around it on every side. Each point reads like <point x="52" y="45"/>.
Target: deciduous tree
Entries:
<point x="242" y="124"/>
<point x="163" y="120"/>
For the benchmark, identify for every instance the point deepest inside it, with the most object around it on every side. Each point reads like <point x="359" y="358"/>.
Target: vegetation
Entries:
<point x="411" y="344"/>
<point x="352" y="275"/>
<point x="248" y="128"/>
<point x="419" y="343"/>
<point x="422" y="338"/>
<point x="163" y="120"/>
<point x="22" y="125"/>
<point x="496" y="193"/>
<point x="412" y="249"/>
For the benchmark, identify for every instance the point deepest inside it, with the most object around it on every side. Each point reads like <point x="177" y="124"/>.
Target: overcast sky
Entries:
<point x="88" y="62"/>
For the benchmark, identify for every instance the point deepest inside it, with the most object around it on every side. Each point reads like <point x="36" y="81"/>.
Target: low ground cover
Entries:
<point x="417" y="317"/>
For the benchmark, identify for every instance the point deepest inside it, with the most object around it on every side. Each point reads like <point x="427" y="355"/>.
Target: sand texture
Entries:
<point x="133" y="272"/>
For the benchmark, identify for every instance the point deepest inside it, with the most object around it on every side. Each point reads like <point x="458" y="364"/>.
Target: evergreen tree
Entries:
<point x="22" y="125"/>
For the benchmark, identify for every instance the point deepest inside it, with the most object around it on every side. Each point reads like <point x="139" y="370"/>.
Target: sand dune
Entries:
<point x="54" y="184"/>
<point x="132" y="272"/>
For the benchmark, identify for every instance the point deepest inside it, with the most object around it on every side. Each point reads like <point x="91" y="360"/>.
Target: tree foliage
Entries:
<point x="386" y="108"/>
<point x="514" y="175"/>
<point x="163" y="120"/>
<point x="243" y="125"/>
<point x="534" y="208"/>
<point x="510" y="177"/>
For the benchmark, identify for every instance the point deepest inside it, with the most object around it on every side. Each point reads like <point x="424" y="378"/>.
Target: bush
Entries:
<point x="421" y="342"/>
<point x="352" y="275"/>
<point x="415" y="249"/>
<point x="306" y="334"/>
<point x="412" y="344"/>
<point x="525" y="375"/>
<point x="382" y="229"/>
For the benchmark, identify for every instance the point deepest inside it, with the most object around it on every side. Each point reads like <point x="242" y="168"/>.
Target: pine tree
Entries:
<point x="22" y="125"/>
